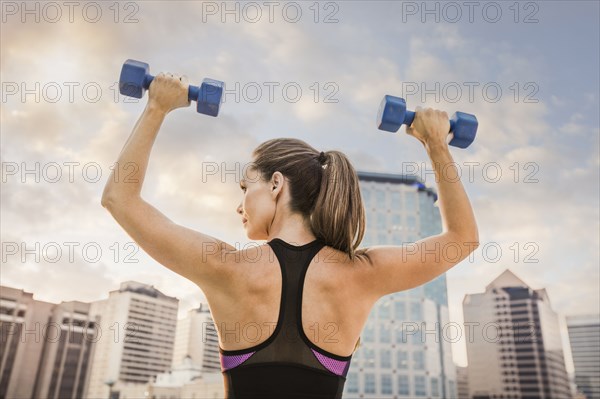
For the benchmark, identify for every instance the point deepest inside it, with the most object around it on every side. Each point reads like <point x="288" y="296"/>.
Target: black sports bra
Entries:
<point x="287" y="365"/>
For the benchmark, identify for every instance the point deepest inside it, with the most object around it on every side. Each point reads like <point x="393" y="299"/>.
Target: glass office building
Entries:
<point x="402" y="352"/>
<point x="584" y="336"/>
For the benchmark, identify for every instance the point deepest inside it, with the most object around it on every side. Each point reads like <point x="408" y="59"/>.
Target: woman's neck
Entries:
<point x="295" y="230"/>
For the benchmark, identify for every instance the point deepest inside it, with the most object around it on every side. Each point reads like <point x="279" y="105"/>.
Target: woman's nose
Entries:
<point x="239" y="209"/>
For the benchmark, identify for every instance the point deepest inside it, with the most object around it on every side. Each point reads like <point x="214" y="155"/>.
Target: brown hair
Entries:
<point x="328" y="195"/>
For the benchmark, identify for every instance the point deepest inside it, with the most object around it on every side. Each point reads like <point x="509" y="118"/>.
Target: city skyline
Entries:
<point x="183" y="312"/>
<point x="408" y="316"/>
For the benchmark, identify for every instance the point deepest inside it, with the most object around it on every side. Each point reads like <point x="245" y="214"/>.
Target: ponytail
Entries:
<point x="339" y="215"/>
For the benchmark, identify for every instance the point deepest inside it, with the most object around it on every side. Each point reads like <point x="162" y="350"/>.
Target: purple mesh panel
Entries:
<point x="335" y="366"/>
<point x="229" y="362"/>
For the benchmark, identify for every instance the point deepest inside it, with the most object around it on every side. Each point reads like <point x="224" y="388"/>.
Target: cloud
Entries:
<point x="54" y="276"/>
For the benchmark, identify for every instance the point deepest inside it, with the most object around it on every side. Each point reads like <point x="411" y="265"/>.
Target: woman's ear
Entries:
<point x="276" y="180"/>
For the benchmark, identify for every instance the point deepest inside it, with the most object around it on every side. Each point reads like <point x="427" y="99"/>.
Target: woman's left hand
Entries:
<point x="168" y="92"/>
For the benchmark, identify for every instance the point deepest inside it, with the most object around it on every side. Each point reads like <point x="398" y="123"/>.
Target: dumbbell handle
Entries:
<point x="193" y="91"/>
<point x="393" y="114"/>
<point x="409" y="117"/>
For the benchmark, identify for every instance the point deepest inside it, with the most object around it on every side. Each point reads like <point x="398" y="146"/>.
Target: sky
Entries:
<point x="314" y="71"/>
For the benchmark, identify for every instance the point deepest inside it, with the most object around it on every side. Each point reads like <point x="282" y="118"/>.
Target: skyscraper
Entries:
<point x="45" y="348"/>
<point x="402" y="352"/>
<point x="137" y="327"/>
<point x="584" y="336"/>
<point x="514" y="347"/>
<point x="68" y="347"/>
<point x="23" y="323"/>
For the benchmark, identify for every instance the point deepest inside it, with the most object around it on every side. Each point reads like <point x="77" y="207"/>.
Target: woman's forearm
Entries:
<point x="128" y="174"/>
<point x="455" y="207"/>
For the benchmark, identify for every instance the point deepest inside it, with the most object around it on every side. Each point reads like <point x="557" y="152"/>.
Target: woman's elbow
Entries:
<point x="473" y="243"/>
<point x="472" y="240"/>
<point x="106" y="201"/>
<point x="107" y="196"/>
<point x="468" y="240"/>
<point x="470" y="237"/>
<point x="110" y="199"/>
<point x="475" y="238"/>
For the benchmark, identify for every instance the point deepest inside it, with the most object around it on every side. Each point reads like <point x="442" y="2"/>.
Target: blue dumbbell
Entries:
<point x="135" y="80"/>
<point x="393" y="113"/>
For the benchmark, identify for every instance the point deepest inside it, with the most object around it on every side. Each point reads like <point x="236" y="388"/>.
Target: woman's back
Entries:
<point x="266" y="343"/>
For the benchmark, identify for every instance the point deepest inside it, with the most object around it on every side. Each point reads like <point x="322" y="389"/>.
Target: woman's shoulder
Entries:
<point x="357" y="259"/>
<point x="248" y="256"/>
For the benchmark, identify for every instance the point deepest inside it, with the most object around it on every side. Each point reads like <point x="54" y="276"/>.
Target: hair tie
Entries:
<point x="322" y="158"/>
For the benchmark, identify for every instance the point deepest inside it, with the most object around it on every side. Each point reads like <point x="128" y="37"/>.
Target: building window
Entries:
<point x="382" y="238"/>
<point x="401" y="335"/>
<point x="369" y="332"/>
<point x="416" y="336"/>
<point x="385" y="356"/>
<point x="380" y="200"/>
<point x="410" y="202"/>
<point x="403" y="385"/>
<point x="384" y="309"/>
<point x="435" y="387"/>
<point x="386" y="384"/>
<point x="411" y="222"/>
<point x="402" y="360"/>
<point x="416" y="311"/>
<point x="396" y="200"/>
<point x="352" y="386"/>
<point x="420" y="388"/>
<point x="369" y="383"/>
<point x="381" y="221"/>
<point x="451" y="388"/>
<point x="396" y="221"/>
<point x="397" y="237"/>
<point x="385" y="333"/>
<point x="369" y="357"/>
<point x="419" y="360"/>
<point x="400" y="310"/>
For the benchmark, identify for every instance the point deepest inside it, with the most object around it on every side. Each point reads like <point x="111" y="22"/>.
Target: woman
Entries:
<point x="289" y="313"/>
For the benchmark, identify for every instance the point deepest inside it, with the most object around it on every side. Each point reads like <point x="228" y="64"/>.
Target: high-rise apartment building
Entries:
<point x="23" y="321"/>
<point x="137" y="327"/>
<point x="402" y="353"/>
<point x="68" y="348"/>
<point x="514" y="348"/>
<point x="197" y="338"/>
<point x="45" y="348"/>
<point x="584" y="336"/>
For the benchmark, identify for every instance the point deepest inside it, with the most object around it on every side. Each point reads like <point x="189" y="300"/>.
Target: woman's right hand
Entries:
<point x="168" y="92"/>
<point x="430" y="127"/>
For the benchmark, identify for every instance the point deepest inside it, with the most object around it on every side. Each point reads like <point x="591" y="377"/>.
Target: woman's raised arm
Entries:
<point x="193" y="255"/>
<point x="387" y="269"/>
